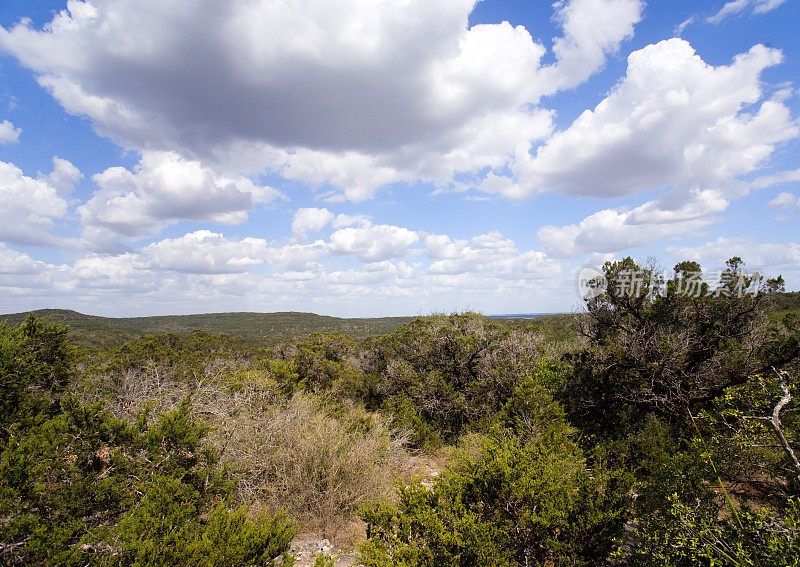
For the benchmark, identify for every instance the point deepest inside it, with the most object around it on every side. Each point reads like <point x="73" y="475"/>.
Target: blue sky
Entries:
<point x="387" y="158"/>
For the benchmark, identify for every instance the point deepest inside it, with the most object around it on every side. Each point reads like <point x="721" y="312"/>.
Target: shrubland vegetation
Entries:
<point x="652" y="429"/>
<point x="80" y="485"/>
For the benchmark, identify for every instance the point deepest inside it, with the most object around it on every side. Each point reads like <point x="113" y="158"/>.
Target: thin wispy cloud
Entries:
<point x="737" y="7"/>
<point x="683" y="25"/>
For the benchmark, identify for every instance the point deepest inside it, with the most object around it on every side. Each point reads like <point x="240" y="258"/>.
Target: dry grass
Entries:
<point x="315" y="458"/>
<point x="317" y="464"/>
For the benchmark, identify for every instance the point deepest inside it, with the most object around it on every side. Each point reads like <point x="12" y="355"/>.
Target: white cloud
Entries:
<point x="63" y="177"/>
<point x="592" y="29"/>
<point x="490" y="257"/>
<point x="21" y="276"/>
<point x="17" y="263"/>
<point x="764" y="6"/>
<point x="736" y="7"/>
<point x="349" y="220"/>
<point x="493" y="241"/>
<point x="487" y="141"/>
<point x="441" y="247"/>
<point x="92" y="279"/>
<point x="786" y="201"/>
<point x="610" y="231"/>
<point x="351" y="97"/>
<point x="673" y="121"/>
<point x="776" y="179"/>
<point x="127" y="64"/>
<point x="206" y="252"/>
<point x="160" y="190"/>
<point x="123" y="273"/>
<point x="310" y="219"/>
<point x="679" y="207"/>
<point x="300" y="258"/>
<point x="730" y="8"/>
<point x="357" y="174"/>
<point x="8" y="133"/>
<point x="770" y="258"/>
<point x="225" y="273"/>
<point x="28" y="207"/>
<point x="373" y="243"/>
<point x="679" y="29"/>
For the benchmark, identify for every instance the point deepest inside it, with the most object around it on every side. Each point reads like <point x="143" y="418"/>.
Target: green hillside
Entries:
<point x="254" y="328"/>
<point x="93" y="331"/>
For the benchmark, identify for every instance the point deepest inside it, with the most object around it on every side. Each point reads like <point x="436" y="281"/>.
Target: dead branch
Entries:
<point x="776" y="420"/>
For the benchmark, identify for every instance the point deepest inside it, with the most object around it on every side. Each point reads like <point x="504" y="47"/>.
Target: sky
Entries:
<point x="388" y="157"/>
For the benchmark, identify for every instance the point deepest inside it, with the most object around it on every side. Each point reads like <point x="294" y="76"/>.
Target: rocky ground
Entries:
<point x="307" y="549"/>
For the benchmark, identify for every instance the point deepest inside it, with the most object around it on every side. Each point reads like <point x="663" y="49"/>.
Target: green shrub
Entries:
<point x="229" y="538"/>
<point x="79" y="485"/>
<point x="83" y="482"/>
<point x="503" y="503"/>
<point x="530" y="411"/>
<point x="35" y="365"/>
<point x="691" y="534"/>
<point x="324" y="362"/>
<point x="444" y="375"/>
<point x="163" y="529"/>
<point x="672" y="352"/>
<point x="739" y="431"/>
<point x="324" y="561"/>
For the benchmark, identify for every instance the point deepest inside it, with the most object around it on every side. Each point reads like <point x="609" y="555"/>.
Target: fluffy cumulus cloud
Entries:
<point x="592" y="29"/>
<point x="673" y="121"/>
<point x="206" y="252"/>
<point x="63" y="177"/>
<point x="609" y="231"/>
<point x="310" y="219"/>
<point x="92" y="279"/>
<point x="299" y="260"/>
<point x="486" y="141"/>
<point x="25" y="283"/>
<point x="489" y="254"/>
<point x="104" y="276"/>
<point x="164" y="188"/>
<point x="8" y="133"/>
<point x="16" y="263"/>
<point x="770" y="258"/>
<point x="354" y="95"/>
<point x="29" y="207"/>
<point x="373" y="243"/>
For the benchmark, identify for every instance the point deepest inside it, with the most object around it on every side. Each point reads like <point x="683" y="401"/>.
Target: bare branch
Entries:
<point x="776" y="420"/>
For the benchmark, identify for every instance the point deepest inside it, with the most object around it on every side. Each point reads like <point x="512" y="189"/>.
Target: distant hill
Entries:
<point x="520" y="315"/>
<point x="259" y="328"/>
<point x="556" y="327"/>
<point x="93" y="331"/>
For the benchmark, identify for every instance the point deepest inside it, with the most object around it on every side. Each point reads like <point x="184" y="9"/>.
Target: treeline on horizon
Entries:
<point x="659" y="429"/>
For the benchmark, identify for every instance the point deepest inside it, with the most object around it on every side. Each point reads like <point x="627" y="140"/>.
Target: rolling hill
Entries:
<point x="94" y="331"/>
